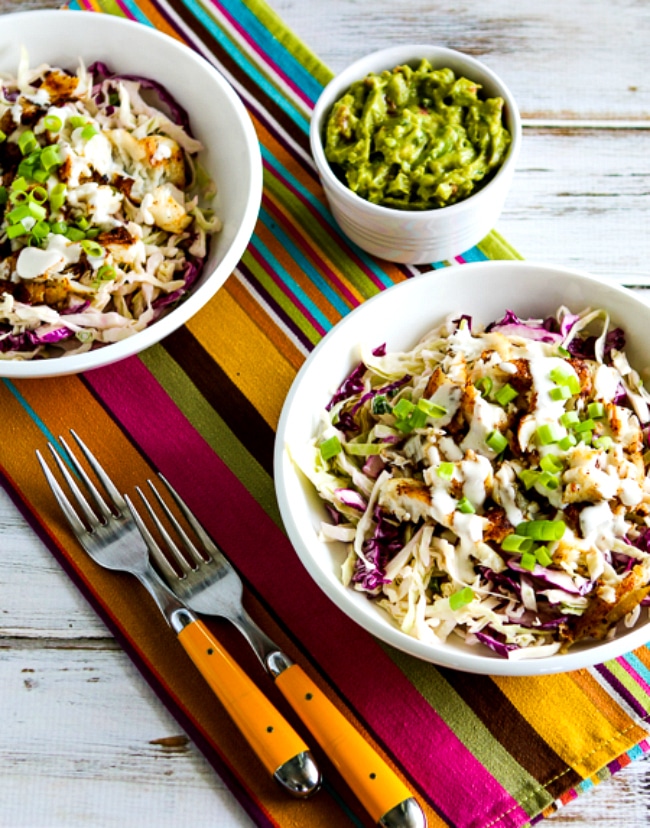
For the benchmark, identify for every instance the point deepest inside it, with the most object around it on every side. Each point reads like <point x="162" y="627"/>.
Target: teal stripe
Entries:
<point x="332" y="296"/>
<point x="272" y="162"/>
<point x="251" y="70"/>
<point x="288" y="280"/>
<point x="49" y="436"/>
<point x="475" y="255"/>
<point x="273" y="47"/>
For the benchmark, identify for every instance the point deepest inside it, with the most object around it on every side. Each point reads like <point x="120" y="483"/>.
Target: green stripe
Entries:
<point x="496" y="247"/>
<point x="469" y="729"/>
<point x="628" y="682"/>
<point x="307" y="59"/>
<point x="212" y="428"/>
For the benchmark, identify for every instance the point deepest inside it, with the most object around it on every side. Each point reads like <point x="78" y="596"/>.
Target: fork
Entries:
<point x="109" y="535"/>
<point x="207" y="583"/>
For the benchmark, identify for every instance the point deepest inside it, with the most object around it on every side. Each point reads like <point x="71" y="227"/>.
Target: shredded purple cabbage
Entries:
<point x="176" y="112"/>
<point x="512" y="325"/>
<point x="378" y="549"/>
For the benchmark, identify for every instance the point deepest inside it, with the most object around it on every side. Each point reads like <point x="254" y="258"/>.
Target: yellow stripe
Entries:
<point x="249" y="359"/>
<point x="571" y="724"/>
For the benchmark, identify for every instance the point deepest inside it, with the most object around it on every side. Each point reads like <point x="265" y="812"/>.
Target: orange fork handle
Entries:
<point x="271" y="737"/>
<point x="375" y="783"/>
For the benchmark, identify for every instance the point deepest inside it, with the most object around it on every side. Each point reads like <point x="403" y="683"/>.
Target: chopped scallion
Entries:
<point x="584" y="425"/>
<point x="91" y="248"/>
<point x="330" y="448"/>
<point x="27" y="142"/>
<point x="542" y="555"/>
<point x="560" y="392"/>
<point x="505" y="394"/>
<point x="528" y="561"/>
<point x="567" y="442"/>
<point x="445" y="470"/>
<point x="51" y="157"/>
<point x="460" y="599"/>
<point x="550" y="463"/>
<point x="465" y="506"/>
<point x="484" y="385"/>
<point x="403" y="408"/>
<point x="431" y="409"/>
<point x="516" y="543"/>
<point x="604" y="443"/>
<point x="549" y="433"/>
<point x="596" y="410"/>
<point x="528" y="477"/>
<point x="496" y="441"/>
<point x="380" y="405"/>
<point x="52" y="123"/>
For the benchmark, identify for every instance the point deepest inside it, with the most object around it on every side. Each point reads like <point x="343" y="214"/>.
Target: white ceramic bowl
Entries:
<point x="218" y="118"/>
<point x="399" y="316"/>
<point x="416" y="237"/>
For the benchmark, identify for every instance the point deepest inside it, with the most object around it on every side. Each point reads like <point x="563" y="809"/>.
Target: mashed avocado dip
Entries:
<point x="415" y="139"/>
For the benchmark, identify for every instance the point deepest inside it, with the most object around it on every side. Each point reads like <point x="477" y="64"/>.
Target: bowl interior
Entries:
<point x="218" y="119"/>
<point x="399" y="317"/>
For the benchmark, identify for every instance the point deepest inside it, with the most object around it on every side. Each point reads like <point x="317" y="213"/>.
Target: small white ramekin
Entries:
<point x="427" y="236"/>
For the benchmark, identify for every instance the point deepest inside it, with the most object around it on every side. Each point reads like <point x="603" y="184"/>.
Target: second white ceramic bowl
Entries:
<point x="416" y="237"/>
<point x="399" y="317"/>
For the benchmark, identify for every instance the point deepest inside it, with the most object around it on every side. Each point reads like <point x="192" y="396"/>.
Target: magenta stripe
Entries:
<point x="286" y="80"/>
<point x="643" y="684"/>
<point x="420" y="740"/>
<point x="125" y="10"/>
<point x="276" y="278"/>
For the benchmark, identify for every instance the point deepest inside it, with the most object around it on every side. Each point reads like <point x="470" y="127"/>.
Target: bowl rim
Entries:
<point x="383" y="628"/>
<point x="387" y="58"/>
<point x="196" y="298"/>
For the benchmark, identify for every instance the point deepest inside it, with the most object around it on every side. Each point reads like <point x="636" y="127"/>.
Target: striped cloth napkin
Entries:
<point x="201" y="407"/>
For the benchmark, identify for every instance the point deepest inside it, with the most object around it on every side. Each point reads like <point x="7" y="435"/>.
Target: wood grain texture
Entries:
<point x="84" y="742"/>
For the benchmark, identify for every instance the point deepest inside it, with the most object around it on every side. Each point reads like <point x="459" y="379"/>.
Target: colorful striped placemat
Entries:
<point x="202" y="406"/>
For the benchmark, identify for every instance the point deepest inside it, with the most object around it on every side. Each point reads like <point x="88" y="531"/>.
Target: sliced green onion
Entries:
<point x="548" y="480"/>
<point x="484" y="385"/>
<point x="460" y="599"/>
<point x="28" y="209"/>
<point x="91" y="248"/>
<point x="505" y="394"/>
<point x="361" y="449"/>
<point x="380" y="405"/>
<point x="40" y="230"/>
<point x="77" y="121"/>
<point x="27" y="142"/>
<point x="403" y="408"/>
<point x="528" y="561"/>
<point x="563" y="352"/>
<point x="59" y="227"/>
<point x="549" y="433"/>
<point x="431" y="409"/>
<point x="560" y="392"/>
<point x="516" y="543"/>
<point x="603" y="442"/>
<point x="15" y="230"/>
<point x="57" y="196"/>
<point x="105" y="273"/>
<point x="496" y="441"/>
<point x="528" y="477"/>
<point x="38" y="194"/>
<point x="26" y="169"/>
<point x="564" y="377"/>
<point x="74" y="234"/>
<point x="586" y="437"/>
<point x="596" y="410"/>
<point x="3" y="136"/>
<point x="567" y="442"/>
<point x="89" y="132"/>
<point x="41" y="175"/>
<point x="542" y="555"/>
<point x="542" y="530"/>
<point x="569" y="419"/>
<point x="4" y="195"/>
<point x="51" y="157"/>
<point x="445" y="470"/>
<point x="465" y="506"/>
<point x="330" y="448"/>
<point x="19" y="184"/>
<point x="584" y="425"/>
<point x="52" y="123"/>
<point x="83" y="223"/>
<point x="551" y="464"/>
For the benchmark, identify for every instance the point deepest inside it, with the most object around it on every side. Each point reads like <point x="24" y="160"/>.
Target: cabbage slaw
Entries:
<point x="491" y="483"/>
<point x="104" y="222"/>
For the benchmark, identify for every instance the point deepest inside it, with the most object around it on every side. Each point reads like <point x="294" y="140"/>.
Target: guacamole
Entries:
<point x="416" y="139"/>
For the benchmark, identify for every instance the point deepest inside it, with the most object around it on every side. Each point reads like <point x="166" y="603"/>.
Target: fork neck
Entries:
<point x="176" y="613"/>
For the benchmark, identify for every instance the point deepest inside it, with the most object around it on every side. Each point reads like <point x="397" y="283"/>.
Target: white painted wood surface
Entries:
<point x="80" y="730"/>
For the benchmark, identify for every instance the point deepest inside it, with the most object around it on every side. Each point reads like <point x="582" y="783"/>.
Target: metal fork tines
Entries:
<point x="200" y="574"/>
<point x="106" y="529"/>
